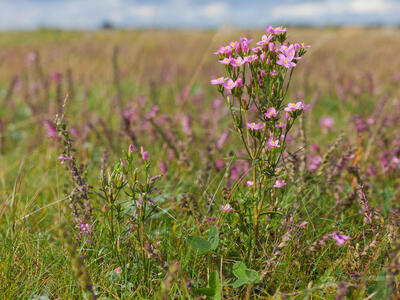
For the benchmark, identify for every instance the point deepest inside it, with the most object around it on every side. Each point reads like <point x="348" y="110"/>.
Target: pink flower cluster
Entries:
<point x="267" y="54"/>
<point x="293" y="109"/>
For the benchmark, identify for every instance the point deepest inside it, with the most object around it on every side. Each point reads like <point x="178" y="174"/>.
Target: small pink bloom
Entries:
<point x="271" y="113"/>
<point x="118" y="270"/>
<point x="271" y="47"/>
<point x="326" y="123"/>
<point x="256" y="49"/>
<point x="104" y="208"/>
<point x="249" y="59"/>
<point x="226" y="61"/>
<point x="230" y="84"/>
<point x="272" y="143"/>
<point x="224" y="50"/>
<point x="263" y="57"/>
<point x="219" y="80"/>
<point x="237" y="62"/>
<point x="244" y="43"/>
<point x="250" y="183"/>
<point x="64" y="159"/>
<point x="285" y="61"/>
<point x="226" y="208"/>
<point x="130" y="148"/>
<point x="273" y="73"/>
<point x="340" y="239"/>
<point x="279" y="183"/>
<point x="234" y="46"/>
<point x="51" y="129"/>
<point x="163" y="167"/>
<point x="264" y="40"/>
<point x="238" y="82"/>
<point x="144" y="154"/>
<point x="276" y="30"/>
<point x="255" y="126"/>
<point x="57" y="77"/>
<point x="85" y="228"/>
<point x="280" y="125"/>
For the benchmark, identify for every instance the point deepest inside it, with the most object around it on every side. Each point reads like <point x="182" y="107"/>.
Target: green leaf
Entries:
<point x="213" y="289"/>
<point x="239" y="282"/>
<point x="213" y="237"/>
<point x="244" y="275"/>
<point x="199" y="244"/>
<point x="239" y="270"/>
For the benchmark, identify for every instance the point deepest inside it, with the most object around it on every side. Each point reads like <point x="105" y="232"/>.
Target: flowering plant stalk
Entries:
<point x="254" y="88"/>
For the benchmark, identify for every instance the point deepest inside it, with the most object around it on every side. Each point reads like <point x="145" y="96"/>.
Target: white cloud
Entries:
<point x="335" y="8"/>
<point x="214" y="10"/>
<point x="143" y="11"/>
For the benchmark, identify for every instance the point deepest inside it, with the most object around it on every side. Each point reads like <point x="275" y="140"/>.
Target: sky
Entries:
<point x="90" y="14"/>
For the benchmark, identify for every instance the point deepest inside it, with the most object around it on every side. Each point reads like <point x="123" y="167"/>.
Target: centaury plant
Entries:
<point x="254" y="88"/>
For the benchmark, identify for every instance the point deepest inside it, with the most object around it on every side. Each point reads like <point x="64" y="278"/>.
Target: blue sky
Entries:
<point x="88" y="14"/>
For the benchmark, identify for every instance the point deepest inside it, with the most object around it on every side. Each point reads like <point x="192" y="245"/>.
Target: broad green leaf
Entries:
<point x="239" y="270"/>
<point x="213" y="237"/>
<point x="213" y="289"/>
<point x="199" y="244"/>
<point x="244" y="275"/>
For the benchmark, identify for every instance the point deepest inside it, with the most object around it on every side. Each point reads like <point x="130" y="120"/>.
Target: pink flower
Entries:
<point x="244" y="43"/>
<point x="326" y="123"/>
<point x="237" y="62"/>
<point x="234" y="45"/>
<point x="273" y="73"/>
<point x="280" y="125"/>
<point x="64" y="159"/>
<point x="130" y="148"/>
<point x="163" y="167"/>
<point x="226" y="208"/>
<point x="118" y="270"/>
<point x="271" y="47"/>
<point x="288" y="51"/>
<point x="271" y="113"/>
<point x="296" y="106"/>
<point x="314" y="162"/>
<point x="263" y="57"/>
<point x="256" y="49"/>
<point x="279" y="183"/>
<point x="239" y="82"/>
<point x="224" y="50"/>
<point x="230" y="84"/>
<point x="272" y="143"/>
<point x="248" y="59"/>
<point x="219" y="80"/>
<point x="226" y="61"/>
<point x="285" y="61"/>
<point x="298" y="46"/>
<point x="144" y="154"/>
<point x="250" y="183"/>
<point x="264" y="40"/>
<point x="57" y="77"/>
<point x="276" y="30"/>
<point x="104" y="208"/>
<point x="85" y="228"/>
<point x="51" y="129"/>
<point x="255" y="126"/>
<point x="340" y="239"/>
